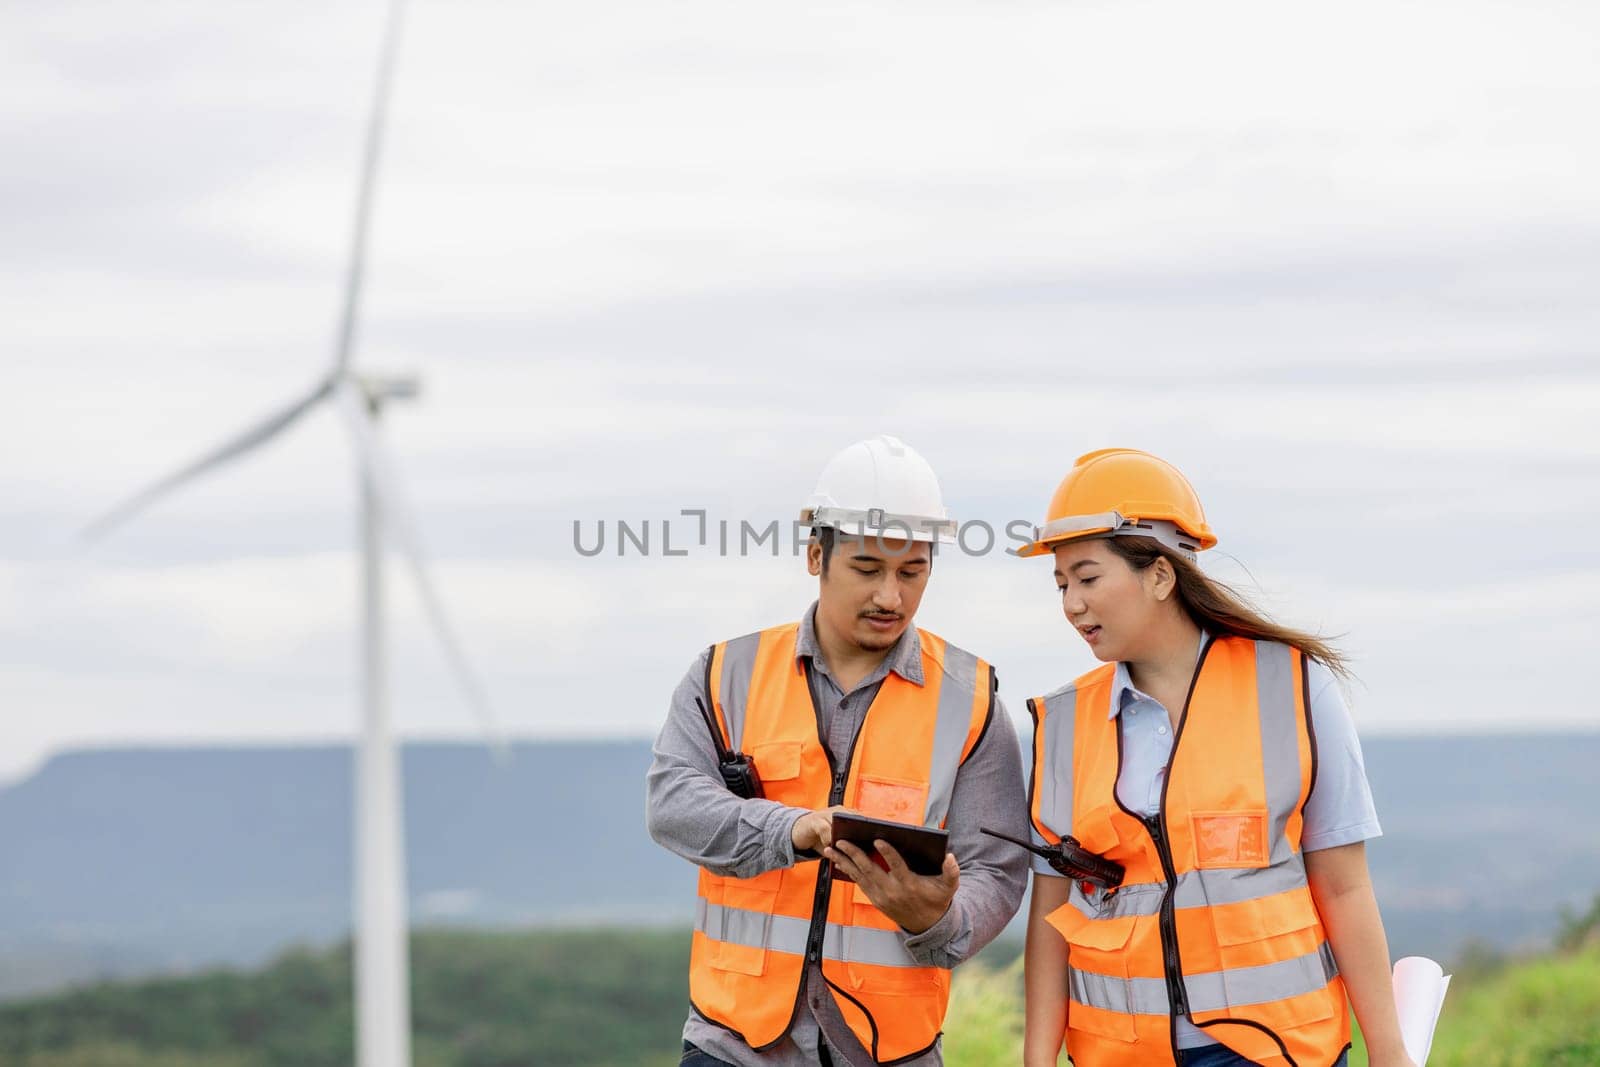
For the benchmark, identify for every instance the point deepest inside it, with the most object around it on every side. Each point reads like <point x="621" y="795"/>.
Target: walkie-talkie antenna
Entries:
<point x="1037" y="850"/>
<point x="1072" y="859"/>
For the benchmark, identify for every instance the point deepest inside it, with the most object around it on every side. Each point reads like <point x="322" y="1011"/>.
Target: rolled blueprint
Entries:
<point x="1419" y="988"/>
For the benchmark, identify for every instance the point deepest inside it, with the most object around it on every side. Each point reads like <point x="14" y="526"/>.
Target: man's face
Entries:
<point x="871" y="588"/>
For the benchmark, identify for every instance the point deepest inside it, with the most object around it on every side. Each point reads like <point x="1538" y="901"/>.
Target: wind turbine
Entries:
<point x="382" y="971"/>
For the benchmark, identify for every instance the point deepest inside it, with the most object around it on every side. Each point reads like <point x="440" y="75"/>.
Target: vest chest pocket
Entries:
<point x="1229" y="839"/>
<point x="893" y="799"/>
<point x="779" y="764"/>
<point x="1095" y="831"/>
<point x="1097" y="972"/>
<point x="777" y="761"/>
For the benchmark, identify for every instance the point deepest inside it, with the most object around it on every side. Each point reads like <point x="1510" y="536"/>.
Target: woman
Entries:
<point x="1212" y="757"/>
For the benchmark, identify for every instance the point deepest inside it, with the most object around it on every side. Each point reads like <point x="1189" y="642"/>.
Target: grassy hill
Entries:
<point x="1537" y="1011"/>
<point x="609" y="998"/>
<point x="99" y="878"/>
<point x="585" y="998"/>
<point x="1541" y="1013"/>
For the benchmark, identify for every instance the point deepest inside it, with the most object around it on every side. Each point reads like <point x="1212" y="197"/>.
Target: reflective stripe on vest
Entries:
<point x="1212" y="991"/>
<point x="783" y="933"/>
<point x="1051" y="792"/>
<point x="1196" y="889"/>
<point x="1244" y="930"/>
<point x="753" y="935"/>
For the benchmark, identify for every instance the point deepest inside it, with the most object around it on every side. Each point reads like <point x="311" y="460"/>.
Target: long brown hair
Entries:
<point x="1220" y="609"/>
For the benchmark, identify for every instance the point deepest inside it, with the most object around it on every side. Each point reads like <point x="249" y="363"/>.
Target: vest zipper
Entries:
<point x="819" y="902"/>
<point x="819" y="905"/>
<point x="1171" y="964"/>
<point x="1156" y="827"/>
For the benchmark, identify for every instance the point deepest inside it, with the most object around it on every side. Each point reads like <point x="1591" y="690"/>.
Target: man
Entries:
<point x="851" y="708"/>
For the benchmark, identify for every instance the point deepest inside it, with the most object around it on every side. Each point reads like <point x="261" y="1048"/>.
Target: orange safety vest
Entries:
<point x="1214" y="920"/>
<point x="754" y="936"/>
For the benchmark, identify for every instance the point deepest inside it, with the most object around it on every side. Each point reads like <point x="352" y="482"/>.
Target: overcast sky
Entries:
<point x="1338" y="264"/>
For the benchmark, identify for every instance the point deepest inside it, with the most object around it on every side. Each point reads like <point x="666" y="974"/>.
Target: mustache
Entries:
<point x="881" y="615"/>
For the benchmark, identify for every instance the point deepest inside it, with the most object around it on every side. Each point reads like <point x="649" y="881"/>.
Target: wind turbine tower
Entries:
<point x="382" y="967"/>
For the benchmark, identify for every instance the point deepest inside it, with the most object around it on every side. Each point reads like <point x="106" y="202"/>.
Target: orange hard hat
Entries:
<point x="1122" y="492"/>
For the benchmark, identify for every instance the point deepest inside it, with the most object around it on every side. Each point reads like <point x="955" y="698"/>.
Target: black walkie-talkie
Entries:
<point x="1072" y="859"/>
<point x="738" y="770"/>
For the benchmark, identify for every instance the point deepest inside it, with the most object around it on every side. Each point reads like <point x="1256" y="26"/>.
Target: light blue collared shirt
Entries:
<point x="1338" y="812"/>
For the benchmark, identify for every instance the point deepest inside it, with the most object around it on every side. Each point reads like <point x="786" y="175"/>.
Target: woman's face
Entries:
<point x="1112" y="606"/>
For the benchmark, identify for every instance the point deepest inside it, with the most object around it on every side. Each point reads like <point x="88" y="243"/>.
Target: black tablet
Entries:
<point x="922" y="848"/>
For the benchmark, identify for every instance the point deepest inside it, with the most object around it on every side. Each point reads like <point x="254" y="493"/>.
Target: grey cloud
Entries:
<point x="137" y="193"/>
<point x="1339" y="319"/>
<point x="731" y="397"/>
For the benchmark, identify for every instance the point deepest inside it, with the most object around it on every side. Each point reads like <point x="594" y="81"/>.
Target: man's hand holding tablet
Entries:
<point x="864" y="851"/>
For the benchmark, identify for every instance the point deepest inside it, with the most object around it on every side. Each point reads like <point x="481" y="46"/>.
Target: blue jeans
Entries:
<point x="1223" y="1056"/>
<point x="693" y="1057"/>
<point x="1210" y="1056"/>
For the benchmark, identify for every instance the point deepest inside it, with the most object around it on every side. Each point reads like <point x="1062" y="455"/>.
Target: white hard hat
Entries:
<point x="880" y="487"/>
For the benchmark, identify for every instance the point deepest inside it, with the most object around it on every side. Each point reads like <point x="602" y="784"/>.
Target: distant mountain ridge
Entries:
<point x="118" y="862"/>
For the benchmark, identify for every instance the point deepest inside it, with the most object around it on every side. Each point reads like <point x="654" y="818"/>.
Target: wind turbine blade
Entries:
<point x="255" y="436"/>
<point x="374" y="457"/>
<point x="377" y="119"/>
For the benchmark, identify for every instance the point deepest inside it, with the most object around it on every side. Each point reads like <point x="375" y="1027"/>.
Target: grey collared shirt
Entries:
<point x="692" y="813"/>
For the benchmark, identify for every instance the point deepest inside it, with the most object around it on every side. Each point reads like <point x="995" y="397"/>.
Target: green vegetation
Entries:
<point x="610" y="998"/>
<point x="983" y="1027"/>
<point x="1533" y="1013"/>
<point x="1542" y="1012"/>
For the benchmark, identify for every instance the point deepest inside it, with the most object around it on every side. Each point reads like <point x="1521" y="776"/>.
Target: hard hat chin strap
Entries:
<point x="1114" y="524"/>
